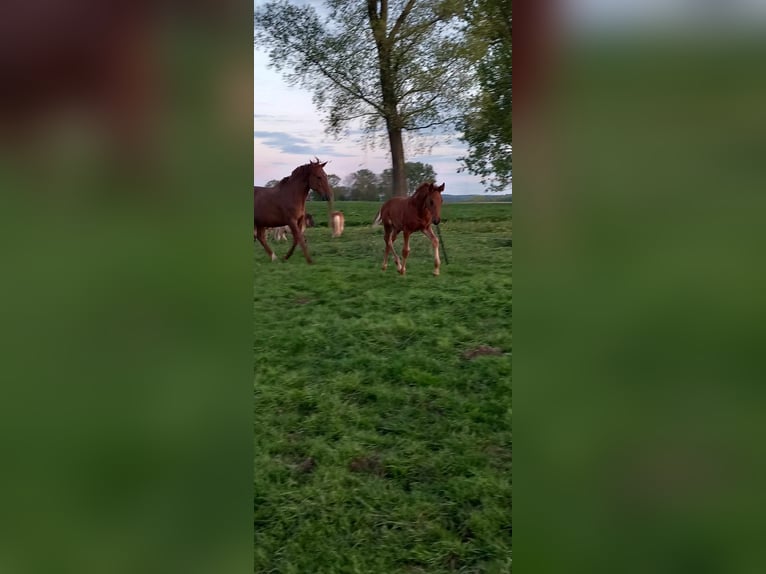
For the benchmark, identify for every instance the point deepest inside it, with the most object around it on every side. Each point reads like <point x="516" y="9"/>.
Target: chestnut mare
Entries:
<point x="285" y="204"/>
<point x="410" y="214"/>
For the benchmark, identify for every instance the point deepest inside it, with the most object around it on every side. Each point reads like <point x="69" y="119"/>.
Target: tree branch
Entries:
<point x="357" y="116"/>
<point x="439" y="122"/>
<point x="415" y="30"/>
<point x="357" y="94"/>
<point x="400" y="20"/>
<point x="372" y="10"/>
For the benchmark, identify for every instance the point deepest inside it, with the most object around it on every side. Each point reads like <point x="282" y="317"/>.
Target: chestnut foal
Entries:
<point x="410" y="214"/>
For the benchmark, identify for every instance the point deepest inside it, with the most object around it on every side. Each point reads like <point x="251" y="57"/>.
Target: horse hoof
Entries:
<point x="273" y="256"/>
<point x="436" y="273"/>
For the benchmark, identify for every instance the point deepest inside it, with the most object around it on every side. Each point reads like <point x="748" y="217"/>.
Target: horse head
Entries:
<point x="318" y="179"/>
<point x="432" y="200"/>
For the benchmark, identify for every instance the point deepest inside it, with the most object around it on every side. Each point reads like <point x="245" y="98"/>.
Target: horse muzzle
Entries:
<point x="436" y="220"/>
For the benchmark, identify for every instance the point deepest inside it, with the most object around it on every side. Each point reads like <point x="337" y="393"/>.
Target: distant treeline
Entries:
<point x="365" y="185"/>
<point x="477" y="198"/>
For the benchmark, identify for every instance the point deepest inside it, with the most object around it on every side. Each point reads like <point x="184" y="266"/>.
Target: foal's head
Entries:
<point x="318" y="179"/>
<point x="431" y="196"/>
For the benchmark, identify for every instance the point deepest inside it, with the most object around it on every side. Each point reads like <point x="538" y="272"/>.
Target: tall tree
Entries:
<point x="364" y="185"/>
<point x="342" y="193"/>
<point x="386" y="183"/>
<point x="486" y="126"/>
<point x="418" y="172"/>
<point x="389" y="64"/>
<point x="333" y="180"/>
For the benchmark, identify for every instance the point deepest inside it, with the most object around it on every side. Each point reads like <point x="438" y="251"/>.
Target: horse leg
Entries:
<point x="260" y="233"/>
<point x="405" y="252"/>
<point x="292" y="247"/>
<point x="428" y="232"/>
<point x="302" y="225"/>
<point x="393" y="251"/>
<point x="389" y="246"/>
<point x="298" y="238"/>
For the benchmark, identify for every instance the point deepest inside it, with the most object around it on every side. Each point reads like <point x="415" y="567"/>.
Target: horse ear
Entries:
<point x="323" y="164"/>
<point x="440" y="188"/>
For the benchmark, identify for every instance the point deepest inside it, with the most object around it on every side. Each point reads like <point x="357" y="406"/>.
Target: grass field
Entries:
<point x="383" y="403"/>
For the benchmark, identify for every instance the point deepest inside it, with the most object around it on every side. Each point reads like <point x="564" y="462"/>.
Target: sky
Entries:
<point x="288" y="132"/>
<point x="618" y="14"/>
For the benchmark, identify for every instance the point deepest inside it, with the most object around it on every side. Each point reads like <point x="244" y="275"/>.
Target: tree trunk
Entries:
<point x="390" y="101"/>
<point x="398" y="175"/>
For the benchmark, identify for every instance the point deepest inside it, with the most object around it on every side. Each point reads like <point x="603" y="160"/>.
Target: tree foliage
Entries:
<point x="387" y="64"/>
<point x="416" y="173"/>
<point x="333" y="180"/>
<point x="363" y="185"/>
<point x="487" y="127"/>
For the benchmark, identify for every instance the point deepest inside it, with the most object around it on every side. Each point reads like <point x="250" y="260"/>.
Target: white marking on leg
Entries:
<point x="273" y="256"/>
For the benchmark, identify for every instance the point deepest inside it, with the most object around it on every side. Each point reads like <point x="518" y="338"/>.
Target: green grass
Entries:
<point x="382" y="444"/>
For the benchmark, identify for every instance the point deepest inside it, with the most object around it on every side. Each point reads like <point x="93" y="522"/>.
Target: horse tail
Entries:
<point x="378" y="219"/>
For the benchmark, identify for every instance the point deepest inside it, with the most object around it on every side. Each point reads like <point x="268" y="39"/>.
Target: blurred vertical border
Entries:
<point x="639" y="310"/>
<point x="126" y="287"/>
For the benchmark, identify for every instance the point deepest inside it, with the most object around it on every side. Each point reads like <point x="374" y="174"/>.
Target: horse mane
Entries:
<point x="300" y="169"/>
<point x="421" y="194"/>
<point x="297" y="171"/>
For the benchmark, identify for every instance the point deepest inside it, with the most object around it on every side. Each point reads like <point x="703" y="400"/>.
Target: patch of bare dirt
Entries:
<point x="368" y="465"/>
<point x="453" y="561"/>
<point x="481" y="350"/>
<point x="306" y="466"/>
<point x="500" y="457"/>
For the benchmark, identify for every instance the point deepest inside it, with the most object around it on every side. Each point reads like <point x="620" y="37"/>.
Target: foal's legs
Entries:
<point x="298" y="238"/>
<point x="428" y="232"/>
<point x="389" y="246"/>
<point x="260" y="235"/>
<point x="390" y="238"/>
<point x="405" y="253"/>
